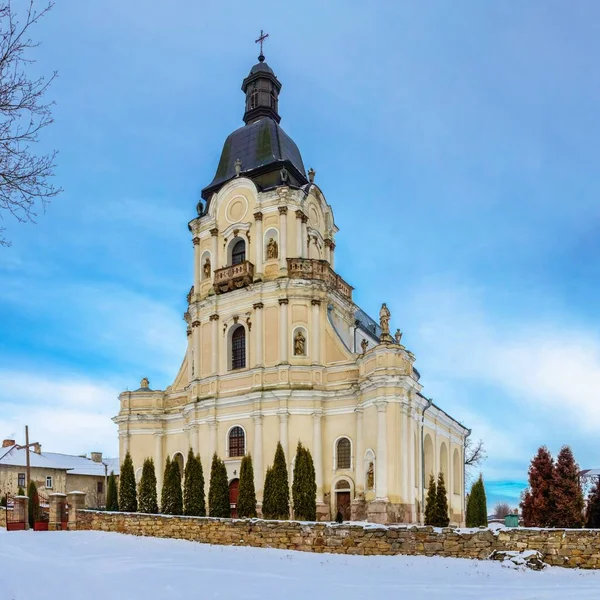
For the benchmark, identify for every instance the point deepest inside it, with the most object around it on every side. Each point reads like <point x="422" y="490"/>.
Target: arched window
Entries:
<point x="178" y="458"/>
<point x="238" y="252"/>
<point x="253" y="98"/>
<point x="238" y="348"/>
<point x="236" y="444"/>
<point x="343" y="452"/>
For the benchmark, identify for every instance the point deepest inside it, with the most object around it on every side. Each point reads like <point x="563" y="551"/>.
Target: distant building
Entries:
<point x="53" y="472"/>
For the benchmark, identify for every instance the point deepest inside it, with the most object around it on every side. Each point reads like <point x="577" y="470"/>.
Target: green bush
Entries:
<point x="218" y="493"/>
<point x="247" y="495"/>
<point x="147" y="500"/>
<point x="304" y="487"/>
<point x="127" y="487"/>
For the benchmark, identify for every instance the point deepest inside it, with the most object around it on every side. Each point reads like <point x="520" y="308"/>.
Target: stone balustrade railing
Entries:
<point x="309" y="268"/>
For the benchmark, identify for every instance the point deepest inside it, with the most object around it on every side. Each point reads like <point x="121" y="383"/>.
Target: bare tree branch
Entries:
<point x="475" y="453"/>
<point x="25" y="178"/>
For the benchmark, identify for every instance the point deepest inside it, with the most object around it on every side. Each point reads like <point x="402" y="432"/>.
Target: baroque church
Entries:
<point x="277" y="350"/>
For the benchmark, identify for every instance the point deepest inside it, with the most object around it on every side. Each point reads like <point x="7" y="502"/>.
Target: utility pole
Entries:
<point x="27" y="457"/>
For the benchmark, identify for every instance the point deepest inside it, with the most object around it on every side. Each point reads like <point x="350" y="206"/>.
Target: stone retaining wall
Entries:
<point x="566" y="548"/>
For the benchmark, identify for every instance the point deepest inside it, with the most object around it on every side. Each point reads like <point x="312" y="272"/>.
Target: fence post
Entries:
<point x="76" y="501"/>
<point x="58" y="506"/>
<point x="21" y="510"/>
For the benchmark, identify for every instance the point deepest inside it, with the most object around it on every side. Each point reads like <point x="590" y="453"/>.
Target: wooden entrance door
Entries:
<point x="234" y="490"/>
<point x="343" y="504"/>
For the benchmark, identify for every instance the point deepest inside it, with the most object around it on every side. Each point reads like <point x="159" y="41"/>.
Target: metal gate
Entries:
<point x="40" y="522"/>
<point x="15" y="519"/>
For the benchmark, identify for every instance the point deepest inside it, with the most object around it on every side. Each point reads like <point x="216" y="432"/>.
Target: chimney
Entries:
<point x="37" y="448"/>
<point x="8" y="443"/>
<point x="96" y="456"/>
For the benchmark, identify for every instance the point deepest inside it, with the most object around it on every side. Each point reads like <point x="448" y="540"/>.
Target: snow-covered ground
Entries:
<point x="99" y="566"/>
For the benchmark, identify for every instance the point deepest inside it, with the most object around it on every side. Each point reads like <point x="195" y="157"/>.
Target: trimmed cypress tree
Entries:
<point x="35" y="513"/>
<point x="147" y="501"/>
<point x="20" y="491"/>
<point x="477" y="505"/>
<point x="112" y="497"/>
<point x="592" y="516"/>
<point x="441" y="503"/>
<point x="431" y="502"/>
<point x="167" y="499"/>
<point x="193" y="488"/>
<point x="3" y="501"/>
<point x="304" y="486"/>
<point x="127" y="491"/>
<point x="567" y="494"/>
<point x="538" y="504"/>
<point x="279" y="494"/>
<point x="247" y="495"/>
<point x="218" y="492"/>
<point x="267" y="504"/>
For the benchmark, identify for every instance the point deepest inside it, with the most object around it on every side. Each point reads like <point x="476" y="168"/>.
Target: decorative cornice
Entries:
<point x="258" y="216"/>
<point x="258" y="305"/>
<point x="282" y="210"/>
<point x="214" y="317"/>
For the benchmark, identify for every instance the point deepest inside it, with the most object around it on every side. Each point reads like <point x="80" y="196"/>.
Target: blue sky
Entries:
<point x="456" y="141"/>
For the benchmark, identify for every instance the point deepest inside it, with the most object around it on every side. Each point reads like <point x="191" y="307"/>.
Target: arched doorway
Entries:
<point x="234" y="490"/>
<point x="343" y="497"/>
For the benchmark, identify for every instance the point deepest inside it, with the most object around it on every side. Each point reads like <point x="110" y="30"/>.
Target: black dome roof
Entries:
<point x="259" y="146"/>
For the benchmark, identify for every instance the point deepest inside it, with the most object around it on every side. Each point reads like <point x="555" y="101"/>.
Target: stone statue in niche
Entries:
<point x="370" y="477"/>
<point x="299" y="344"/>
<point x="206" y="268"/>
<point x="272" y="249"/>
<point x="384" y="320"/>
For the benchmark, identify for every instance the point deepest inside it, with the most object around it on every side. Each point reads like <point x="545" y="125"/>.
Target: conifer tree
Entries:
<point x="279" y="493"/>
<point x="481" y="504"/>
<point x="567" y="493"/>
<point x="127" y="491"/>
<point x="431" y="502"/>
<point x="218" y="493"/>
<point x="247" y="495"/>
<point x="174" y="484"/>
<point x="304" y="486"/>
<point x="267" y="504"/>
<point x="35" y="513"/>
<point x="147" y="500"/>
<point x="441" y="503"/>
<point x="167" y="500"/>
<point x="193" y="488"/>
<point x="3" y="501"/>
<point x="592" y="517"/>
<point x="112" y="497"/>
<point x="20" y="491"/>
<point x="538" y="504"/>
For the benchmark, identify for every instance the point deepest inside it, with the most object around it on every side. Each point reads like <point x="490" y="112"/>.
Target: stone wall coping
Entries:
<point x="76" y="493"/>
<point x="57" y="495"/>
<point x="16" y="497"/>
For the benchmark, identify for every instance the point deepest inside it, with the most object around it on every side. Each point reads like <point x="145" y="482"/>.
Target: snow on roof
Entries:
<point x="75" y="465"/>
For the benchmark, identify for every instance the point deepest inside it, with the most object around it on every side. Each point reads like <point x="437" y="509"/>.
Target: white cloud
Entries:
<point x="65" y="414"/>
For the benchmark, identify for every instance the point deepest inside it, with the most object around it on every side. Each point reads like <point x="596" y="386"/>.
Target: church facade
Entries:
<point x="277" y="350"/>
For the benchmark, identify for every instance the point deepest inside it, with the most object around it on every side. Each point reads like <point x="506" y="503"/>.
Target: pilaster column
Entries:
<point x="411" y="457"/>
<point x="190" y="340"/>
<point x="316" y="329"/>
<point x="212" y="427"/>
<point x="258" y="456"/>
<point x="76" y="502"/>
<point x="283" y="330"/>
<point x="404" y="474"/>
<point x="214" y="241"/>
<point x="197" y="347"/>
<point x="159" y="464"/>
<point x="259" y="244"/>
<point x="318" y="454"/>
<point x="381" y="459"/>
<point x="283" y="237"/>
<point x="214" y="342"/>
<point x="328" y="250"/>
<point x="304" y="237"/>
<point x="359" y="466"/>
<point x="283" y="431"/>
<point x="197" y="265"/>
<point x="259" y="334"/>
<point x="329" y="244"/>
<point x="299" y="239"/>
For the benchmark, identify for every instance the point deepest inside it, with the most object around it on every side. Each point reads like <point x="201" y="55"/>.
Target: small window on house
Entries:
<point x="99" y="487"/>
<point x="253" y="98"/>
<point x="343" y="453"/>
<point x="238" y="253"/>
<point x="237" y="442"/>
<point x="238" y="348"/>
<point x="49" y="482"/>
<point x="21" y="480"/>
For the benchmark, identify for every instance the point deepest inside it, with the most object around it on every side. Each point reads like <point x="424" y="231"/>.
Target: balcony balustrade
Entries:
<point x="233" y="277"/>
<point x="308" y="268"/>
